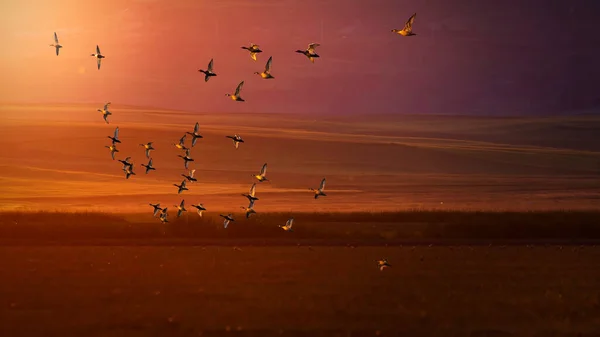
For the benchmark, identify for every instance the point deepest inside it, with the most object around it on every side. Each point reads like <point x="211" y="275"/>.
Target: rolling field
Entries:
<point x="56" y="160"/>
<point x="299" y="291"/>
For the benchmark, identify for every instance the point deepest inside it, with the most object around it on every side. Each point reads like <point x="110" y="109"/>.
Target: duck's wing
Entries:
<point x="268" y="66"/>
<point x="409" y="23"/>
<point x="253" y="55"/>
<point x="289" y="222"/>
<point x="210" y="66"/>
<point x="55" y="38"/>
<point x="150" y="162"/>
<point x="126" y="160"/>
<point x="182" y="140"/>
<point x="311" y="47"/>
<point x="225" y="223"/>
<point x="192" y="173"/>
<point x="106" y="105"/>
<point x="183" y="184"/>
<point x="322" y="186"/>
<point x="253" y="46"/>
<point x="117" y="133"/>
<point x="98" y="50"/>
<point x="99" y="61"/>
<point x="251" y="204"/>
<point x="187" y="152"/>
<point x="57" y="50"/>
<point x="236" y="143"/>
<point x="239" y="88"/>
<point x="253" y="190"/>
<point x="148" y="154"/>
<point x="263" y="170"/>
<point x="182" y="203"/>
<point x="196" y="127"/>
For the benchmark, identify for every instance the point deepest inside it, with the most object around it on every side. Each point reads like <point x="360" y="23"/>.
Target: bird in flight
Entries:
<point x="208" y="73"/>
<point x="195" y="135"/>
<point x="236" y="140"/>
<point x="115" y="138"/>
<point x="156" y="209"/>
<point x="266" y="74"/>
<point x="148" y="147"/>
<point x="105" y="112"/>
<point x="253" y="49"/>
<point x="181" y="208"/>
<point x="250" y="209"/>
<point x="98" y="56"/>
<point x="310" y="52"/>
<point x="236" y="96"/>
<point x="382" y="264"/>
<point x="112" y="150"/>
<point x="190" y="177"/>
<point x="262" y="176"/>
<point x="228" y="218"/>
<point x="181" y="188"/>
<point x="199" y="208"/>
<point x="251" y="194"/>
<point x="149" y="166"/>
<point x="407" y="30"/>
<point x="319" y="192"/>
<point x="288" y="225"/>
<point x="56" y="45"/>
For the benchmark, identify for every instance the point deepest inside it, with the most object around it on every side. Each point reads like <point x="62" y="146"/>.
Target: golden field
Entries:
<point x="54" y="159"/>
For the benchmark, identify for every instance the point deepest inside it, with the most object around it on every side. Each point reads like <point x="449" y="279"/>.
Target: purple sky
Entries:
<point x="469" y="56"/>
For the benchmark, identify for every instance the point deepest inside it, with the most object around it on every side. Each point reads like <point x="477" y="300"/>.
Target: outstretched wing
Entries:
<point x="409" y="23"/>
<point x="210" y="66"/>
<point x="182" y="140"/>
<point x="263" y="170"/>
<point x="182" y="203"/>
<point x="97" y="49"/>
<point x="55" y="38"/>
<point x="99" y="61"/>
<point x="253" y="55"/>
<point x="253" y="190"/>
<point x="268" y="66"/>
<point x="239" y="88"/>
<point x="116" y="133"/>
<point x="196" y="127"/>
<point x="192" y="173"/>
<point x="311" y="47"/>
<point x="187" y="152"/>
<point x="290" y="222"/>
<point x="106" y="105"/>
<point x="322" y="186"/>
<point x="251" y="204"/>
<point x="150" y="162"/>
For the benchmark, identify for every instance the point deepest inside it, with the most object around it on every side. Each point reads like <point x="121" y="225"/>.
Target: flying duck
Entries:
<point x="250" y="209"/>
<point x="129" y="171"/>
<point x="105" y="112"/>
<point x="98" y="56"/>
<point x="382" y="264"/>
<point x="236" y="96"/>
<point x="208" y="72"/>
<point x="288" y="225"/>
<point x="236" y="140"/>
<point x="319" y="192"/>
<point x="181" y="144"/>
<point x="186" y="158"/>
<point x="149" y="167"/>
<point x="266" y="74"/>
<point x="164" y="215"/>
<point x="228" y="218"/>
<point x="253" y="49"/>
<point x="195" y="135"/>
<point x="115" y="138"/>
<point x="262" y="175"/>
<point x="56" y="45"/>
<point x="181" y="208"/>
<point x="199" y="208"/>
<point x="126" y="163"/>
<point x="310" y="52"/>
<point x="407" y="30"/>
<point x="156" y="208"/>
<point x="250" y="195"/>
<point x="190" y="177"/>
<point x="181" y="187"/>
<point x="112" y="149"/>
<point x="148" y="147"/>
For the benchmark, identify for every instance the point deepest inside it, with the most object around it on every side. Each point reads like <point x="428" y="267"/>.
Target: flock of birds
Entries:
<point x="128" y="166"/>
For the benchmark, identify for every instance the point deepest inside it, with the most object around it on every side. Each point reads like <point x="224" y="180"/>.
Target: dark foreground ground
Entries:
<point x="299" y="291"/>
